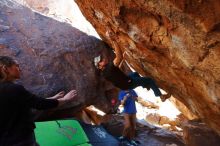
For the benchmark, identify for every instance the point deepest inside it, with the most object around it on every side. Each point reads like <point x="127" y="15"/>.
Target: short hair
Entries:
<point x="5" y="61"/>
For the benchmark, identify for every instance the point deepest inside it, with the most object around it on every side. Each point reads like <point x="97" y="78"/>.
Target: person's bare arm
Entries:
<point x="122" y="61"/>
<point x="136" y="98"/>
<point x="58" y="95"/>
<point x="124" y="99"/>
<point x="118" y="55"/>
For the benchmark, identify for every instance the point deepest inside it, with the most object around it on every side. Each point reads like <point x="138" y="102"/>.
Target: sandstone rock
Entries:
<point x="153" y="118"/>
<point x="90" y="116"/>
<point x="66" y="11"/>
<point x="184" y="110"/>
<point x="163" y="121"/>
<point x="146" y="103"/>
<point x="144" y="134"/>
<point x="96" y="118"/>
<point x="198" y="134"/>
<point x="175" y="42"/>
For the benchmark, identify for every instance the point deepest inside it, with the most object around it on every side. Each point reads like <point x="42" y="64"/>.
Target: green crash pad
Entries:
<point x="85" y="144"/>
<point x="60" y="133"/>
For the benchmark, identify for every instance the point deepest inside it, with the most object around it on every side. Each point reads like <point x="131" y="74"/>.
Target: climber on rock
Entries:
<point x="125" y="82"/>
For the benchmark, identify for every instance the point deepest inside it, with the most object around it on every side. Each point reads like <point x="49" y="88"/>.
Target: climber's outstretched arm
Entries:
<point x="118" y="55"/>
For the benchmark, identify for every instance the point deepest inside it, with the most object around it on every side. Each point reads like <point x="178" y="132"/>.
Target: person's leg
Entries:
<point x="132" y="141"/>
<point x="149" y="83"/>
<point x="133" y="125"/>
<point x="146" y="83"/>
<point x="127" y="126"/>
<point x="134" y="75"/>
<point x="131" y="131"/>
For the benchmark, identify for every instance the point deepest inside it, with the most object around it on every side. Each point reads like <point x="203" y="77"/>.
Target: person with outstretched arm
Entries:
<point x="17" y="124"/>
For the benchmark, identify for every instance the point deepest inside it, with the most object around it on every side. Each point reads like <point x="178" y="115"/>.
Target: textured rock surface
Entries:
<point x="181" y="107"/>
<point x="198" y="134"/>
<point x="147" y="135"/>
<point x="53" y="55"/>
<point x="175" y="42"/>
<point x="66" y="11"/>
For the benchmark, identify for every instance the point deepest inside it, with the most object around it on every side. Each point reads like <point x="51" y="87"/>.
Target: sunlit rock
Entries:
<point x="175" y="42"/>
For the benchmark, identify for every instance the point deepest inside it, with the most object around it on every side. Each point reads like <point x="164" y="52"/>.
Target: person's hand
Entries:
<point x="68" y="97"/>
<point x="116" y="62"/>
<point x="58" y="95"/>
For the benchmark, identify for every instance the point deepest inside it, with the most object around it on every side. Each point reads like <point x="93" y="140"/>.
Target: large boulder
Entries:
<point x="66" y="11"/>
<point x="175" y="42"/>
<point x="53" y="56"/>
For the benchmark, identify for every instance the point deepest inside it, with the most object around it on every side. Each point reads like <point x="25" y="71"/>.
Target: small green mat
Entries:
<point x="60" y="133"/>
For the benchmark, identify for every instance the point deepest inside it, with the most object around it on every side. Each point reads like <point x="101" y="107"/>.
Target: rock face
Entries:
<point x="181" y="107"/>
<point x="198" y="134"/>
<point x="53" y="55"/>
<point x="147" y="135"/>
<point x="66" y="11"/>
<point x="175" y="42"/>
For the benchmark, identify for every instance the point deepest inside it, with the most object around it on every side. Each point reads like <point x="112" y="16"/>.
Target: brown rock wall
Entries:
<point x="175" y="42"/>
<point x="198" y="134"/>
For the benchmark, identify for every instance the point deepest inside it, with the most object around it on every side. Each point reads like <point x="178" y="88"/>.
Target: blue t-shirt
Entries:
<point x="129" y="106"/>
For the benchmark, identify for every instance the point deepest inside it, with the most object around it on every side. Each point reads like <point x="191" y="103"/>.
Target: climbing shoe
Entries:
<point x="122" y="138"/>
<point x="164" y="97"/>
